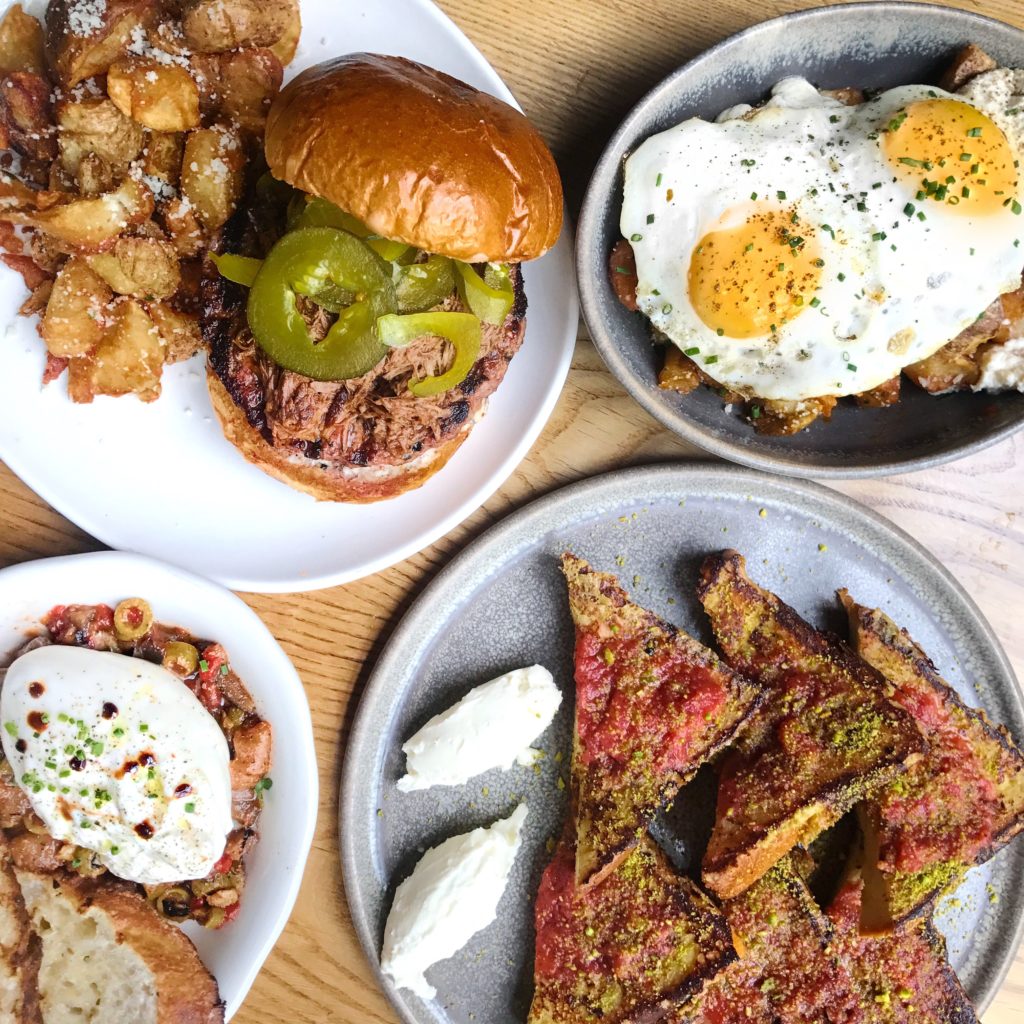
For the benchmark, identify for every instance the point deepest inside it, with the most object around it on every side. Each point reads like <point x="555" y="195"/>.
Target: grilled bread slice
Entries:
<point x="109" y="958"/>
<point x="788" y="971"/>
<point x="630" y="947"/>
<point x="899" y="978"/>
<point x="956" y="807"/>
<point x="827" y="737"/>
<point x="19" y="950"/>
<point x="652" y="706"/>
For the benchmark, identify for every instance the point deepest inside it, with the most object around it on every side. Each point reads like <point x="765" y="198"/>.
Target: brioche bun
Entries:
<point x="418" y="157"/>
<point x="326" y="481"/>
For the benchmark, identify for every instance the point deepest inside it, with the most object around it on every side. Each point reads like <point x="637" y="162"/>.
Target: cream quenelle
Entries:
<point x="493" y="726"/>
<point x="452" y="894"/>
<point x="118" y="756"/>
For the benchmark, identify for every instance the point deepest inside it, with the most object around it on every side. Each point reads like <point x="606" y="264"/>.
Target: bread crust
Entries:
<point x="324" y="481"/>
<point x="20" y="950"/>
<point x="419" y="157"/>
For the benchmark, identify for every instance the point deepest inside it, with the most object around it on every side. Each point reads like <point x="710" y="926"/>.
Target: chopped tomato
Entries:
<point x="223" y="866"/>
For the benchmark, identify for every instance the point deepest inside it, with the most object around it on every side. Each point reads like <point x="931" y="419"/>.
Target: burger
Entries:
<point x="367" y="299"/>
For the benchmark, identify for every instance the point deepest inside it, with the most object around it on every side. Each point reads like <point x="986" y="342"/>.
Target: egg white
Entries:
<point x="893" y="288"/>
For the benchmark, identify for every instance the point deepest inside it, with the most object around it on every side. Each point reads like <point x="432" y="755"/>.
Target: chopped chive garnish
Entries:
<point x="974" y="133"/>
<point x="747" y="163"/>
<point x="966" y="156"/>
<point x="965" y="192"/>
<point x="1015" y="206"/>
<point x="657" y="181"/>
<point x="851" y="367"/>
<point x="819" y="262"/>
<point x="720" y="331"/>
<point x="753" y="195"/>
<point x="780" y="194"/>
<point x="667" y="308"/>
<point x="833" y="119"/>
<point x="920" y="215"/>
<point x="755" y="412"/>
<point x="828" y="228"/>
<point x="911" y="162"/>
<point x="691" y="351"/>
<point x="711" y="359"/>
<point x="879" y="236"/>
<point x="909" y="209"/>
<point x="635" y="237"/>
<point x="841" y="276"/>
<point x="782" y="266"/>
<point x="815" y="302"/>
<point x="749" y="247"/>
<point x="650" y="218"/>
<point x="950" y="180"/>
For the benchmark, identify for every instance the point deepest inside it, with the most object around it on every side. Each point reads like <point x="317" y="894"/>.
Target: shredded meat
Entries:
<point x="370" y="420"/>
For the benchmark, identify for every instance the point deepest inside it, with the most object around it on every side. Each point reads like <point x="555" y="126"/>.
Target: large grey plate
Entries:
<point x="873" y="45"/>
<point x="501" y="604"/>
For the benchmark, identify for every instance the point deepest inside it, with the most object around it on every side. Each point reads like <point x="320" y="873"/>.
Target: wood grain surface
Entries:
<point x="576" y="67"/>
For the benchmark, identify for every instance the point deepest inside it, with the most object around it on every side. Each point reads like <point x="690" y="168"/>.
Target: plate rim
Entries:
<point x="361" y="746"/>
<point x="125" y="563"/>
<point x="28" y="472"/>
<point x="588" y="230"/>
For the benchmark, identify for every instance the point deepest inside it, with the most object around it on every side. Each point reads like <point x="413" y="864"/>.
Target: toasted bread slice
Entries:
<point x="20" y="950"/>
<point x="955" y="807"/>
<point x="788" y="972"/>
<point x="827" y="737"/>
<point x="109" y="958"/>
<point x="652" y="706"/>
<point x="629" y="947"/>
<point x="902" y="977"/>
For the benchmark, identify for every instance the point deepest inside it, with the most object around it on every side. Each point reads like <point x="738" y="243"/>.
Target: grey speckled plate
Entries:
<point x="501" y="604"/>
<point x="872" y="45"/>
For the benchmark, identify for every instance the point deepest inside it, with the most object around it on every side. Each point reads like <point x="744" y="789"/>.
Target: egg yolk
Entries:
<point x="953" y="154"/>
<point x="749" y="278"/>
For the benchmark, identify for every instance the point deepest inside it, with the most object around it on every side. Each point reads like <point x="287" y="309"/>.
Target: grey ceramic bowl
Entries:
<point x="871" y="45"/>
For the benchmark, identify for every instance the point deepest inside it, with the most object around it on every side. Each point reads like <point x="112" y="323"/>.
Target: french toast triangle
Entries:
<point x="788" y="971"/>
<point x="630" y="947"/>
<point x="899" y="978"/>
<point x="827" y="737"/>
<point x="955" y="807"/>
<point x="652" y="706"/>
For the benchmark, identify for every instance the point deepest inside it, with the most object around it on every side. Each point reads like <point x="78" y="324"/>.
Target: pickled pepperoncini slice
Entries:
<point x="489" y="297"/>
<point x="461" y="329"/>
<point x="330" y="263"/>
<point x="421" y="286"/>
<point x="240" y="269"/>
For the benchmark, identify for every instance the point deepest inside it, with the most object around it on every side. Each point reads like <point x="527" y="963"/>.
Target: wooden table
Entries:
<point x="576" y="67"/>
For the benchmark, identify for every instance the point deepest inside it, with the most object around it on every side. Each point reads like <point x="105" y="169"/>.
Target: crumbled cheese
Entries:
<point x="86" y="17"/>
<point x="218" y="168"/>
<point x="1002" y="367"/>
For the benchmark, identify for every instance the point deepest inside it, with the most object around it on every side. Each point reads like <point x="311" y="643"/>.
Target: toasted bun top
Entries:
<point x="419" y="157"/>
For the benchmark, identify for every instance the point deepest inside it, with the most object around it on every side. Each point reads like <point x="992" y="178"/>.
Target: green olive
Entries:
<point x="180" y="658"/>
<point x="133" y="618"/>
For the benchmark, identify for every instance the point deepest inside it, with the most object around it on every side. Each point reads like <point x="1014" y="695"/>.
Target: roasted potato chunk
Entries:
<point x="21" y="43"/>
<point x="95" y="125"/>
<point x="779" y="418"/>
<point x="128" y="359"/>
<point x="75" y="315"/>
<point x="161" y="156"/>
<point x="84" y="38"/>
<point x="163" y="97"/>
<point x="249" y="81"/>
<point x="180" y="332"/>
<point x="954" y="367"/>
<point x="91" y="223"/>
<point x="183" y="227"/>
<point x="212" y="174"/>
<point x="679" y="373"/>
<point x="95" y="176"/>
<point x="145" y="268"/>
<point x="284" y="49"/>
<point x="26" y="116"/>
<point x="211" y="26"/>
<point x="969" y="62"/>
<point x="15" y="194"/>
<point x="887" y="393"/>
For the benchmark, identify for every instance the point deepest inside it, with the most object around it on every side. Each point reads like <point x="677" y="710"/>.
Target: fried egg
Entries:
<point x="808" y="248"/>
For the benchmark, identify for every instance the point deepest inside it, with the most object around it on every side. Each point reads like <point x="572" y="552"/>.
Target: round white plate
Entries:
<point x="161" y="479"/>
<point x="274" y="867"/>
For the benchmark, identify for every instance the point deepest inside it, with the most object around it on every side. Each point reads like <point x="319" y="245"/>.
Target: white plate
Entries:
<point x="274" y="867"/>
<point x="162" y="480"/>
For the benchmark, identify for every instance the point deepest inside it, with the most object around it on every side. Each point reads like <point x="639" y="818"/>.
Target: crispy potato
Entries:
<point x="881" y="397"/>
<point x="128" y="359"/>
<point x="163" y="97"/>
<point x="15" y="194"/>
<point x="75" y="316"/>
<point x="38" y="299"/>
<point x="183" y="227"/>
<point x="211" y="26"/>
<point x="284" y="49"/>
<point x="26" y="116"/>
<point x="91" y="223"/>
<point x="95" y="176"/>
<point x="780" y="418"/>
<point x="95" y="125"/>
<point x="679" y="373"/>
<point x="180" y="332"/>
<point x="84" y="39"/>
<point x="145" y="268"/>
<point x="249" y="81"/>
<point x="161" y="156"/>
<point x="212" y="174"/>
<point x="969" y="62"/>
<point x="954" y="367"/>
<point x="21" y="43"/>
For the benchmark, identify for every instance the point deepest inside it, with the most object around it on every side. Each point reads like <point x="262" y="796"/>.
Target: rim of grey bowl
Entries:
<point x="363" y="739"/>
<point x="587" y="237"/>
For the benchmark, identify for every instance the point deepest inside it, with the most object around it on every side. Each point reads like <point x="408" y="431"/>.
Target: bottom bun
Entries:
<point x="324" y="480"/>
